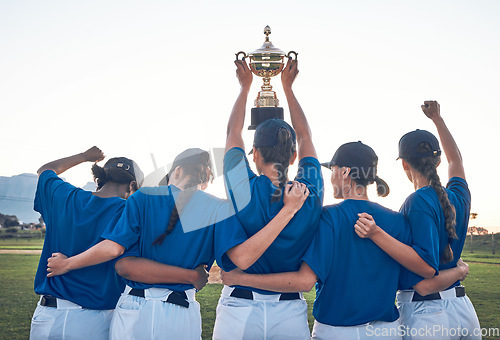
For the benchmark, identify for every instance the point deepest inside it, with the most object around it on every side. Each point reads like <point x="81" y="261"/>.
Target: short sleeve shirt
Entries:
<point x="206" y="230"/>
<point x="357" y="281"/>
<point x="427" y="224"/>
<point x="251" y="198"/>
<point x="75" y="219"/>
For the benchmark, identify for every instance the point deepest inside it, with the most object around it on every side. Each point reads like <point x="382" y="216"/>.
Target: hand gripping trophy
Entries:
<point x="266" y="61"/>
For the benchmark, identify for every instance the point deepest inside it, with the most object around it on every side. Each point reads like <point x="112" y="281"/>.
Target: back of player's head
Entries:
<point x="196" y="164"/>
<point x="363" y="161"/>
<point x="420" y="149"/>
<point x="119" y="170"/>
<point x="276" y="141"/>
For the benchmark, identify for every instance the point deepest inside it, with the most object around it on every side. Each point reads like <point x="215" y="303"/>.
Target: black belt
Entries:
<point x="247" y="294"/>
<point x="459" y="291"/>
<point x="175" y="298"/>
<point x="48" y="301"/>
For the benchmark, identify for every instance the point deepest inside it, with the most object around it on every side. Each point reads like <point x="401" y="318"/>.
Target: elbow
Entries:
<point x="428" y="273"/>
<point x="242" y="263"/>
<point x="121" y="268"/>
<point x="116" y="251"/>
<point x="308" y="284"/>
<point x="422" y="288"/>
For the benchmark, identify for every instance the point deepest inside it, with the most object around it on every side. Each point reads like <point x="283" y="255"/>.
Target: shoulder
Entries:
<point x="459" y="186"/>
<point x="235" y="155"/>
<point x="309" y="161"/>
<point x="421" y="200"/>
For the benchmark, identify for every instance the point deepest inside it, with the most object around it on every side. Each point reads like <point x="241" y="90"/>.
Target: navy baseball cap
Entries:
<point x="356" y="155"/>
<point x="266" y="133"/>
<point x="126" y="165"/>
<point x="408" y="145"/>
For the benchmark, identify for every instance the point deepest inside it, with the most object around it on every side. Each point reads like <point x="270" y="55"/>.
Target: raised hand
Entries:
<point x="57" y="265"/>
<point x="431" y="109"/>
<point x="94" y="154"/>
<point x="365" y="226"/>
<point x="289" y="73"/>
<point x="295" y="195"/>
<point x="244" y="74"/>
<point x="202" y="276"/>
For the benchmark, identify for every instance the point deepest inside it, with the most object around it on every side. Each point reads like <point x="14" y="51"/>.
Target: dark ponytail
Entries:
<point x="280" y="156"/>
<point x="199" y="174"/>
<point x="427" y="166"/>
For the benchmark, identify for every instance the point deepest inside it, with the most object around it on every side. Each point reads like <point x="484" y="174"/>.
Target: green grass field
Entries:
<point x="18" y="300"/>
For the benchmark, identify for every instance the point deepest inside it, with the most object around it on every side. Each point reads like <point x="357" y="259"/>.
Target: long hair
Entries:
<point x="427" y="167"/>
<point x="116" y="175"/>
<point x="280" y="156"/>
<point x="198" y="174"/>
<point x="362" y="179"/>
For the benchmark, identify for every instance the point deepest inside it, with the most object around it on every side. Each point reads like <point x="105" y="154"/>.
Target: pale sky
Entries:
<point x="155" y="77"/>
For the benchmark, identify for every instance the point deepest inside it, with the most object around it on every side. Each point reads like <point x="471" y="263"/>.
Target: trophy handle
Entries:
<point x="292" y="52"/>
<point x="238" y="54"/>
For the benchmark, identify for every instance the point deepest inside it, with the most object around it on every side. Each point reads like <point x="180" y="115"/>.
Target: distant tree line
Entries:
<point x="11" y="222"/>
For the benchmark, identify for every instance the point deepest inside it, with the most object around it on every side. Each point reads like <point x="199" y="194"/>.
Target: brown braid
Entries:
<point x="198" y="174"/>
<point x="280" y="155"/>
<point x="427" y="166"/>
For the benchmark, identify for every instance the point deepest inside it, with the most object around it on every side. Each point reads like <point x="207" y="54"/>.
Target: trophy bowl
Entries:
<point x="266" y="62"/>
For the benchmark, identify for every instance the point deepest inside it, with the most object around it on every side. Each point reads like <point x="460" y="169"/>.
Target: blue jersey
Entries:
<point x="427" y="222"/>
<point x="75" y="219"/>
<point x="251" y="196"/>
<point x="206" y="230"/>
<point x="357" y="281"/>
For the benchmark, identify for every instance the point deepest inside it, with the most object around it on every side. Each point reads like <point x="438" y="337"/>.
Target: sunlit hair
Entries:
<point x="280" y="156"/>
<point x="427" y="167"/>
<point x="198" y="174"/>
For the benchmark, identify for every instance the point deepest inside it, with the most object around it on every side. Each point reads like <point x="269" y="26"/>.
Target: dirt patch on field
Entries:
<point x="20" y="251"/>
<point x="214" y="275"/>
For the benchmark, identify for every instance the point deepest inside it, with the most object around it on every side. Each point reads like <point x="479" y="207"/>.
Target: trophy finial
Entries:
<point x="267" y="31"/>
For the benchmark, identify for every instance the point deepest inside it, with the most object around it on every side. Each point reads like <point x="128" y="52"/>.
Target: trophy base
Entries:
<point x="260" y="114"/>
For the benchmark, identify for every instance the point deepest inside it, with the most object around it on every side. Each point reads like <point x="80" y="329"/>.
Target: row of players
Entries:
<point x="272" y="238"/>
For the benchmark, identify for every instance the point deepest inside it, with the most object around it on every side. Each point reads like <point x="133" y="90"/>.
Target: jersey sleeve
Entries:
<point x="309" y="173"/>
<point x="228" y="233"/>
<point x="319" y="255"/>
<point x="127" y="230"/>
<point x="425" y="237"/>
<point x="460" y="187"/>
<point x="48" y="187"/>
<point x="237" y="175"/>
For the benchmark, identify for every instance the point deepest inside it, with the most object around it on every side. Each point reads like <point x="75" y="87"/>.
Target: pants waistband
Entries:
<point x="51" y="301"/>
<point x="243" y="293"/>
<point x="164" y="294"/>
<point x="413" y="296"/>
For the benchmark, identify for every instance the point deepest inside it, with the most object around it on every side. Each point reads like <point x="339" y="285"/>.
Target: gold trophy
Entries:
<point x="266" y="61"/>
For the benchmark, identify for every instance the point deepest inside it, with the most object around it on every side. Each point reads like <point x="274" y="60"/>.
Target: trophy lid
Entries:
<point x="267" y="47"/>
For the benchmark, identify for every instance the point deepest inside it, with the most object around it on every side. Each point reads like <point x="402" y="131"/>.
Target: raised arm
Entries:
<point x="246" y="253"/>
<point x="297" y="116"/>
<point x="103" y="251"/>
<point x="442" y="281"/>
<point x="148" y="271"/>
<point x="366" y="227"/>
<point x="300" y="281"/>
<point x="450" y="148"/>
<point x="237" y="118"/>
<point x="94" y="154"/>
